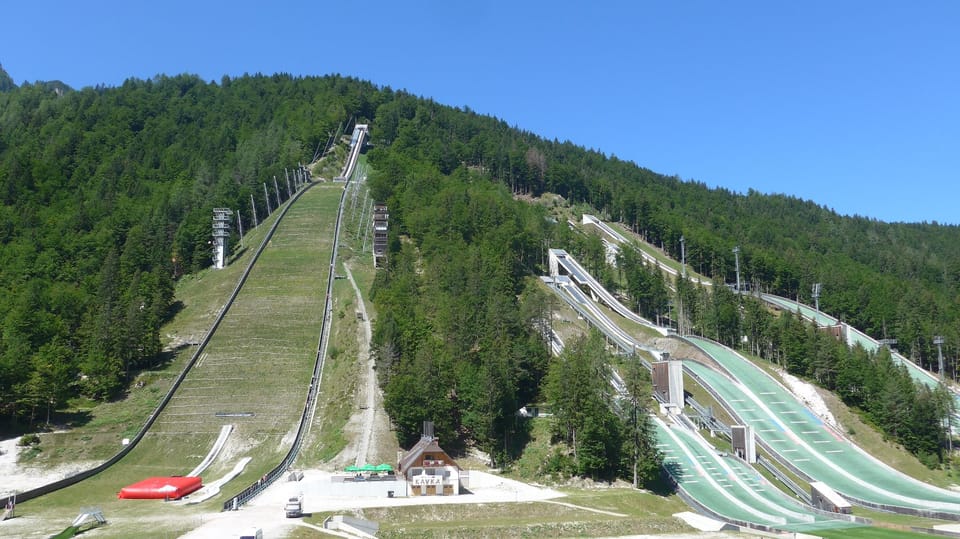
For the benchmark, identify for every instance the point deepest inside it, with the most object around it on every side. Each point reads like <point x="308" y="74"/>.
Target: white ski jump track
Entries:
<point x="214" y="451"/>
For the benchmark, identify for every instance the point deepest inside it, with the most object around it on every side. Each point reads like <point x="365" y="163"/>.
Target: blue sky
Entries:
<point x="854" y="105"/>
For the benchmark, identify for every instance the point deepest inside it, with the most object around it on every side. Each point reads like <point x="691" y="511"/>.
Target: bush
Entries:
<point x="560" y="462"/>
<point x="28" y="440"/>
<point x="930" y="460"/>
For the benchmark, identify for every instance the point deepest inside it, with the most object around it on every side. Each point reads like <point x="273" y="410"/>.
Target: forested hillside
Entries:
<point x="896" y="280"/>
<point x="106" y="199"/>
<point x="107" y="196"/>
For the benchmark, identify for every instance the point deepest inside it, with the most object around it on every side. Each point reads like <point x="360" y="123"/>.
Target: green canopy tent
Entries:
<point x="352" y="468"/>
<point x="384" y="468"/>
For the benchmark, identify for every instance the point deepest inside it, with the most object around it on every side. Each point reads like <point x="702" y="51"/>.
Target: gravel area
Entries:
<point x="18" y="478"/>
<point x="808" y="395"/>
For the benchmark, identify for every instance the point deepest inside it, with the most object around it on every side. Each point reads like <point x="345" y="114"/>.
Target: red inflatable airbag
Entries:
<point x="161" y="488"/>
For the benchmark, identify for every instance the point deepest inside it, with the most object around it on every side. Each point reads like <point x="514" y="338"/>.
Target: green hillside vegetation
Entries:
<point x="6" y="82"/>
<point x="106" y="201"/>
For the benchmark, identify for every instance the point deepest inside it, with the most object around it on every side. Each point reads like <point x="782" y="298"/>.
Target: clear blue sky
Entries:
<point x="854" y="105"/>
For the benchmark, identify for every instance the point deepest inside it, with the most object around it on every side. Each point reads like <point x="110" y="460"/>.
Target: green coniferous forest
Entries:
<point x="107" y="196"/>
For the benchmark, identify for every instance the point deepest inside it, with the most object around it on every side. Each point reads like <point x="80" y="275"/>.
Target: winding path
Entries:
<point x="369" y="376"/>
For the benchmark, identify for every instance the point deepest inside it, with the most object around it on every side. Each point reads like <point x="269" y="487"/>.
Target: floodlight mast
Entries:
<point x="240" y="228"/>
<point x="938" y="340"/>
<point x="276" y="191"/>
<point x="683" y="259"/>
<point x="736" y="261"/>
<point x="816" y="296"/>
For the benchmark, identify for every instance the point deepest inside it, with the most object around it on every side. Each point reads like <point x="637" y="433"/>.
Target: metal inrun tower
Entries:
<point x="221" y="234"/>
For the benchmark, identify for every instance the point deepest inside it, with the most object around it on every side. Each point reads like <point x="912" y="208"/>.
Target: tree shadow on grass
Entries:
<point x="59" y="420"/>
<point x="172" y="310"/>
<point x="665" y="485"/>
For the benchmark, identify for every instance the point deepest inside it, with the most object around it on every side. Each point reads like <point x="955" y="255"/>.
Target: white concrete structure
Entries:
<point x="221" y="235"/>
<point x="744" y="442"/>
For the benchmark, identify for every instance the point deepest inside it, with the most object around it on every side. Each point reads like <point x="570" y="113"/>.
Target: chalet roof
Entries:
<point x="427" y="444"/>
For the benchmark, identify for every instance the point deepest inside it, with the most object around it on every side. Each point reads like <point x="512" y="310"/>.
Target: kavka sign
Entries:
<point x="419" y="480"/>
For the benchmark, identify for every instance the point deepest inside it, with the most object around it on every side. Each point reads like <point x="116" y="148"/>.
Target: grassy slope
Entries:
<point x="98" y="428"/>
<point x="260" y="360"/>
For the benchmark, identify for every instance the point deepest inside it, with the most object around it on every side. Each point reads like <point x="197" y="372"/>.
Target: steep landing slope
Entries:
<point x="255" y="371"/>
<point x="809" y="446"/>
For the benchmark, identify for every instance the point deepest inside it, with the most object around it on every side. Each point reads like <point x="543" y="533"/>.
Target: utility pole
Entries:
<point x="266" y="196"/>
<point x="947" y="423"/>
<point x="276" y="191"/>
<point x="363" y="215"/>
<point x="938" y="340"/>
<point x="816" y="303"/>
<point x="683" y="259"/>
<point x="253" y="206"/>
<point x="679" y="314"/>
<point x="240" y="228"/>
<point x="736" y="259"/>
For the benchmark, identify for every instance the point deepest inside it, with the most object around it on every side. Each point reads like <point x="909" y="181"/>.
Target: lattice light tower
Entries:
<point x="221" y="234"/>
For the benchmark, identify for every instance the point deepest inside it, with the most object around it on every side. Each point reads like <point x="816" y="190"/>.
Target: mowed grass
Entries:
<point x="260" y="360"/>
<point x="643" y="513"/>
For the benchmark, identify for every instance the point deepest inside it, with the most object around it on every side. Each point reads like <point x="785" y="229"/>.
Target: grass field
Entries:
<point x="639" y="513"/>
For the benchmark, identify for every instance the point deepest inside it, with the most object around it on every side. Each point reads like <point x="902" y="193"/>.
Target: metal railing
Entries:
<point x="789" y="483"/>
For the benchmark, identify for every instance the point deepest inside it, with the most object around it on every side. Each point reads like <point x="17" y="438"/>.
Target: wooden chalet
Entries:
<point x="429" y="470"/>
